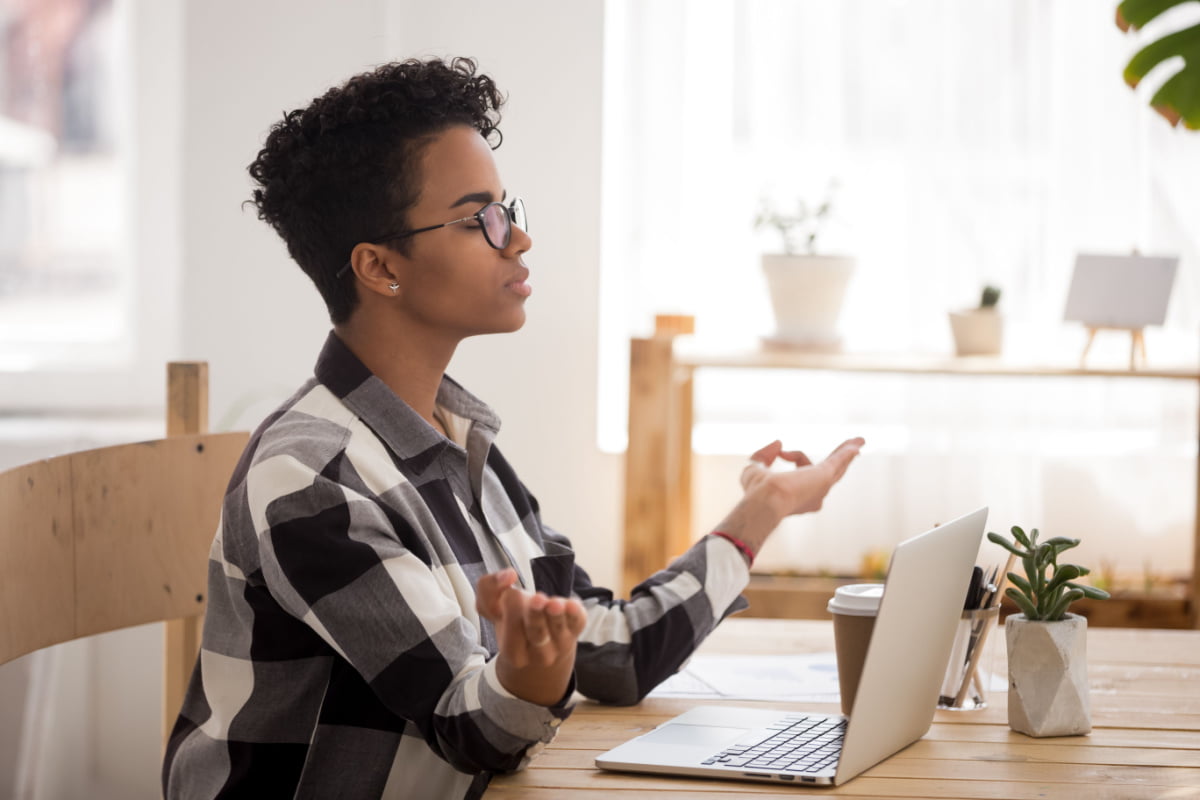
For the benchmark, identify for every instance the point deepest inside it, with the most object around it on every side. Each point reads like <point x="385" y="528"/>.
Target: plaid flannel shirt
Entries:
<point x="342" y="654"/>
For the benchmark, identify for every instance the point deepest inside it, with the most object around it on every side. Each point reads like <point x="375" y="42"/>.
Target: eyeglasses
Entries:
<point x="495" y="220"/>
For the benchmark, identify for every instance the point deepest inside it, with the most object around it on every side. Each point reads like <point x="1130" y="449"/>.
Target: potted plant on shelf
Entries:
<point x="1047" y="647"/>
<point x="806" y="288"/>
<point x="979" y="331"/>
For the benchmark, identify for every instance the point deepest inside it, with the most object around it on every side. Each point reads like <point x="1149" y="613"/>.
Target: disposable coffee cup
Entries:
<point x="854" y="609"/>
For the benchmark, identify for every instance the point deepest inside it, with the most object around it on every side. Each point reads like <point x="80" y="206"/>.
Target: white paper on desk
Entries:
<point x="807" y="678"/>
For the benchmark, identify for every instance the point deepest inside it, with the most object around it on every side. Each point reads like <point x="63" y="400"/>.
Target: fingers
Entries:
<point x="796" y="457"/>
<point x="759" y="461"/>
<point x="535" y="618"/>
<point x="552" y="624"/>
<point x="767" y="455"/>
<point x="531" y="628"/>
<point x="842" y="455"/>
<point x="489" y="590"/>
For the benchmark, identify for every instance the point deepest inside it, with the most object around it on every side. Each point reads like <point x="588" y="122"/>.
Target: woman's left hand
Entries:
<point x="535" y="634"/>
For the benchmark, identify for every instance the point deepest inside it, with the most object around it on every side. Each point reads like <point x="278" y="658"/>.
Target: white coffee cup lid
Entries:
<point x="856" y="600"/>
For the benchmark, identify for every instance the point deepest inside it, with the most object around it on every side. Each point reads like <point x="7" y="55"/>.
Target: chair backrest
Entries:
<point x="105" y="539"/>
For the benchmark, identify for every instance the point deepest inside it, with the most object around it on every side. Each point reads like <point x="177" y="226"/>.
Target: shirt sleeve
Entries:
<point x="630" y="646"/>
<point x="359" y="575"/>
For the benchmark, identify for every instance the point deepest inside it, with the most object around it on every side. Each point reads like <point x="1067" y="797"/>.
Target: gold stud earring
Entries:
<point x="394" y="287"/>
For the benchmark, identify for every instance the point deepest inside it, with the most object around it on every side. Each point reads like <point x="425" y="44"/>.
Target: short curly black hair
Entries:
<point x="346" y="168"/>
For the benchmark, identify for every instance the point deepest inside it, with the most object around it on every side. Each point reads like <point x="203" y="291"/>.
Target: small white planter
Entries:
<point x="806" y="297"/>
<point x="977" y="331"/>
<point x="1047" y="676"/>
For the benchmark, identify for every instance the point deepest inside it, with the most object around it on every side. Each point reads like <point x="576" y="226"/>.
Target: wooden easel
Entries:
<point x="1137" y="345"/>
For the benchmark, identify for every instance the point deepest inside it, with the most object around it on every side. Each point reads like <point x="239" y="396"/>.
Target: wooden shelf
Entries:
<point x="687" y="355"/>
<point x="658" y="464"/>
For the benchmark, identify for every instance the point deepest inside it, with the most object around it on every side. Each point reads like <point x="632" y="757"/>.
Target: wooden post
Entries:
<point x="187" y="412"/>
<point x="658" y="456"/>
<point x="187" y="397"/>
<point x="1194" y="594"/>
<point x="679" y="483"/>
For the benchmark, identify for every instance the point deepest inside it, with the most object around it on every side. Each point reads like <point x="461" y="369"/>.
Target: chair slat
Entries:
<point x="109" y="538"/>
<point x="37" y="557"/>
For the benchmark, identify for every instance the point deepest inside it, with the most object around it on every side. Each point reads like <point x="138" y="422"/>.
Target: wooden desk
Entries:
<point x="658" y="461"/>
<point x="1145" y="742"/>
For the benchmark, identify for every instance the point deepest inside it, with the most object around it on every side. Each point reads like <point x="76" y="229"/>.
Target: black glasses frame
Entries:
<point x="514" y="214"/>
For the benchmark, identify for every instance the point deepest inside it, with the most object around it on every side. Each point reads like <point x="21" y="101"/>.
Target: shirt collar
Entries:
<point x="401" y="428"/>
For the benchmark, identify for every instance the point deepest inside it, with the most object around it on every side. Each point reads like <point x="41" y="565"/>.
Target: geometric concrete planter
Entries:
<point x="1047" y="676"/>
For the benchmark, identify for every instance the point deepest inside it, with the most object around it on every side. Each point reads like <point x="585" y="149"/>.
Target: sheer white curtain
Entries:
<point x="973" y="143"/>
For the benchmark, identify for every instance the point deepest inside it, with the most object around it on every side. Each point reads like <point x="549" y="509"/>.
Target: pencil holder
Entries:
<point x="964" y="686"/>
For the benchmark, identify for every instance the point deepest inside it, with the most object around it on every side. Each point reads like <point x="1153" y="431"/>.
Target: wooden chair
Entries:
<point x="105" y="539"/>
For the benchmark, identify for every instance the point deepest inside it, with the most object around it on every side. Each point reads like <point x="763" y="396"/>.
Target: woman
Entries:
<point x="387" y="613"/>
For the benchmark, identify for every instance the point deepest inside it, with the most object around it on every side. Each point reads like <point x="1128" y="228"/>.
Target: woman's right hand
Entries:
<point x="771" y="495"/>
<point x="804" y="488"/>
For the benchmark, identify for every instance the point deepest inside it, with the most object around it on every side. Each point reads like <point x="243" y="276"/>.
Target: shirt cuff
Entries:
<point x="726" y="576"/>
<point x="521" y="718"/>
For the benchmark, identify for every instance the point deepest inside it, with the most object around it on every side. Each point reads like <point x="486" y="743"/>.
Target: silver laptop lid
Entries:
<point x="910" y="645"/>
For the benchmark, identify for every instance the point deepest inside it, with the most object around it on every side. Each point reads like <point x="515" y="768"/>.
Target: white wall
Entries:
<point x="252" y="314"/>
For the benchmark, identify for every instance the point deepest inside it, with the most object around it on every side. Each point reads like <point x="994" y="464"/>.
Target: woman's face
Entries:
<point x="453" y="283"/>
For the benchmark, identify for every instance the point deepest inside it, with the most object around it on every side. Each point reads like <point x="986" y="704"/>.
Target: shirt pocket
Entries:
<point x="554" y="573"/>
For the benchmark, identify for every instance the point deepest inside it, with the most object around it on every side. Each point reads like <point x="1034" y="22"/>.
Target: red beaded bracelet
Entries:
<point x="739" y="544"/>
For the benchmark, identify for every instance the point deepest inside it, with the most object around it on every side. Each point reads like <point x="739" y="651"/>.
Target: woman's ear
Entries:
<point x="373" y="268"/>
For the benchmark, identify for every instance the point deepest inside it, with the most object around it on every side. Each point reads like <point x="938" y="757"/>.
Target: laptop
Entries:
<point x="897" y="691"/>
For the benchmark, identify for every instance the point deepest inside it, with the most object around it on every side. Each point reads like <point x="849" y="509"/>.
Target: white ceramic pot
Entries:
<point x="1047" y="676"/>
<point x="806" y="296"/>
<point x="977" y="331"/>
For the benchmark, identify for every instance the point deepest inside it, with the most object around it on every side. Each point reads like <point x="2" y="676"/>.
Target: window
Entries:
<point x="62" y="278"/>
<point x="986" y="142"/>
<point x="88" y="203"/>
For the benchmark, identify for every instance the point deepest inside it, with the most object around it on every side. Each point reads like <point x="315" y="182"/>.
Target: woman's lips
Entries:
<point x="519" y="284"/>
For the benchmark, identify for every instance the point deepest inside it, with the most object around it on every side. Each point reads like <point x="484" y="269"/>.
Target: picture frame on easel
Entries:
<point x="1120" y="292"/>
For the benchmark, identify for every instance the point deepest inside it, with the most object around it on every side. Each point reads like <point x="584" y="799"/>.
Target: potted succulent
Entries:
<point x="979" y="331"/>
<point x="1047" y="646"/>
<point x="806" y="287"/>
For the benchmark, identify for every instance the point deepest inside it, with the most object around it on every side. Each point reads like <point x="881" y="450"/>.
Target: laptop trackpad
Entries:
<point x="695" y="735"/>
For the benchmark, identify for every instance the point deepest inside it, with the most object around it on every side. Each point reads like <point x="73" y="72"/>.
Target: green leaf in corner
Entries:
<point x="1179" y="96"/>
<point x="1136" y="13"/>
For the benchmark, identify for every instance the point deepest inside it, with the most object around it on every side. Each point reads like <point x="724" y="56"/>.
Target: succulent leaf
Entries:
<point x="1030" y="574"/>
<point x="996" y="538"/>
<point x="1061" y="543"/>
<point x="1067" y="572"/>
<point x="1091" y="591"/>
<point x="1027" y="608"/>
<point x="1020" y="536"/>
<point x="1060" y="608"/>
<point x="1020" y="583"/>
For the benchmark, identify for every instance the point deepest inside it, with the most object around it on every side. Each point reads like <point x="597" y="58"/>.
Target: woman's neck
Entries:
<point x="410" y="364"/>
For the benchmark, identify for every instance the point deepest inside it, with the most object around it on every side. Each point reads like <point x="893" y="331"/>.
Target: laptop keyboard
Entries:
<point x="794" y="744"/>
